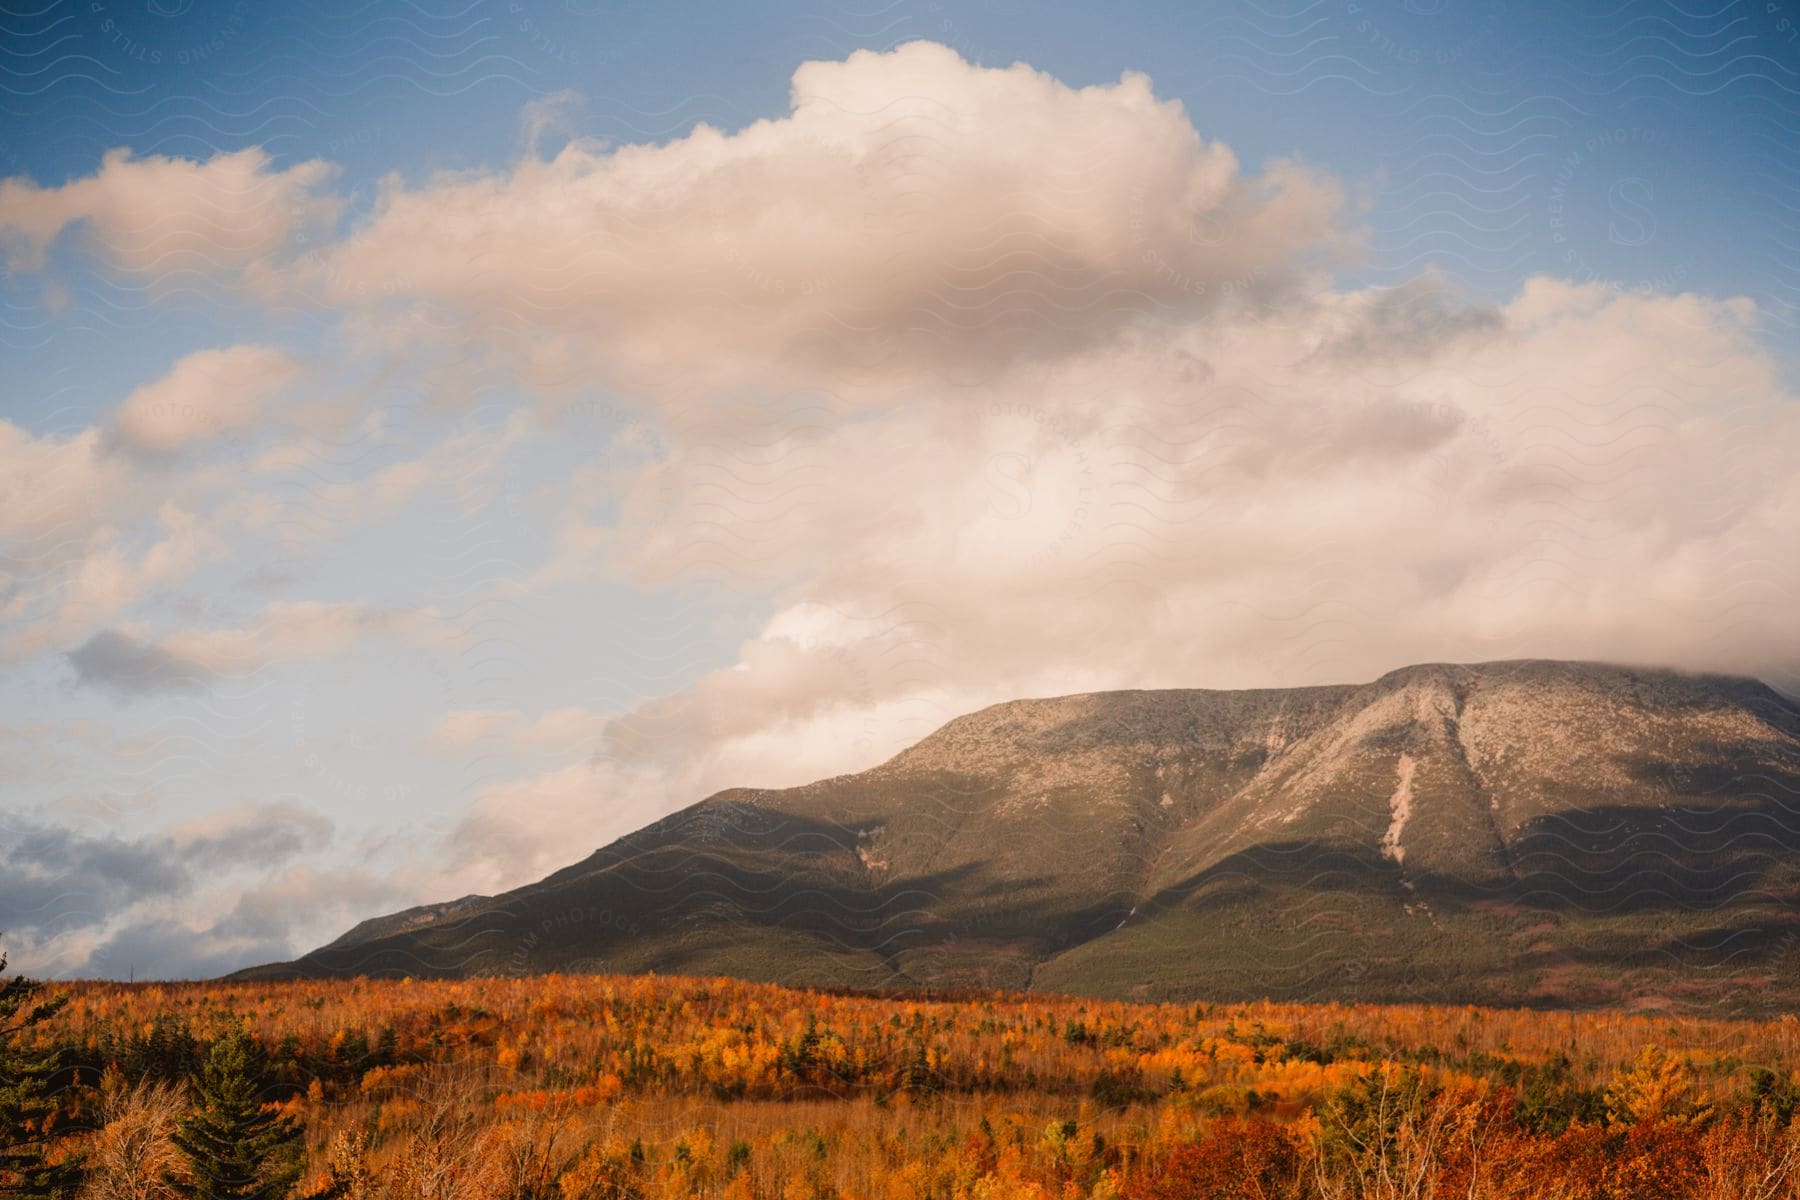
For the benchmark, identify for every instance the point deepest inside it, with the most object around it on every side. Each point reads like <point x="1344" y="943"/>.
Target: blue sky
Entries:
<point x="461" y="549"/>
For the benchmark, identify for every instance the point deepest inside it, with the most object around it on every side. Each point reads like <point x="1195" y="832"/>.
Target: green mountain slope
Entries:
<point x="1521" y="832"/>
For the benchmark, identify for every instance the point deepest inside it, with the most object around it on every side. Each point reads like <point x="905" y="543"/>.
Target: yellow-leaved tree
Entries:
<point x="1657" y="1087"/>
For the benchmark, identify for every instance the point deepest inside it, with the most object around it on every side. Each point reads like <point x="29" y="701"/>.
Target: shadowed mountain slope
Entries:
<point x="1519" y="832"/>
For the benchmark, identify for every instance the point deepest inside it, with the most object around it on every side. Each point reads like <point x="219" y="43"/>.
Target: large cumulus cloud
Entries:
<point x="911" y="213"/>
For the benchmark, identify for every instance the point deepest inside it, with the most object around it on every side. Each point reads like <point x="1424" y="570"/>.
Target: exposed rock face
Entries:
<point x="1537" y="832"/>
<point x="405" y="921"/>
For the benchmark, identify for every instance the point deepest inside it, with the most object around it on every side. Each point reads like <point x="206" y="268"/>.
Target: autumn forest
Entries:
<point x="584" y="1087"/>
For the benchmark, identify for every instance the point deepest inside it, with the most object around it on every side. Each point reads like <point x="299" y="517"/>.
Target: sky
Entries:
<point x="439" y="438"/>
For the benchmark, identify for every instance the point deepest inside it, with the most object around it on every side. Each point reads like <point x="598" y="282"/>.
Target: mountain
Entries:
<point x="404" y="921"/>
<point x="1534" y="832"/>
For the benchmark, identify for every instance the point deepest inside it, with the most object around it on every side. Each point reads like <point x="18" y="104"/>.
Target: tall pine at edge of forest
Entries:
<point x="236" y="1148"/>
<point x="27" y="1110"/>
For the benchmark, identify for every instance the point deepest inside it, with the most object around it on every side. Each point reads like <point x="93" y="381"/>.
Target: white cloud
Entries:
<point x="1576" y="473"/>
<point x="879" y="231"/>
<point x="467" y="727"/>
<point x="207" y="395"/>
<point x="132" y="660"/>
<point x="86" y="531"/>
<point x="302" y="630"/>
<point x="521" y="830"/>
<point x="156" y="216"/>
<point x="180" y="476"/>
<point x="53" y="490"/>
<point x="64" y="589"/>
<point x="567" y="729"/>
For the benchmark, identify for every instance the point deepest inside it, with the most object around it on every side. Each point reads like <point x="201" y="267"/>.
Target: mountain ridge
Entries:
<point x="1529" y="831"/>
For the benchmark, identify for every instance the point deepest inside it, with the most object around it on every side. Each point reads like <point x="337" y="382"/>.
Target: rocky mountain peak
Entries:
<point x="1516" y="832"/>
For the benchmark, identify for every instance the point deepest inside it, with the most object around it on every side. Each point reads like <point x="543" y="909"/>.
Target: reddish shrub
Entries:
<point x="1238" y="1160"/>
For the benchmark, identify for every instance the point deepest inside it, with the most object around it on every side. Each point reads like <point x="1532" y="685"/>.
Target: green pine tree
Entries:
<point x="27" y="1109"/>
<point x="235" y="1147"/>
